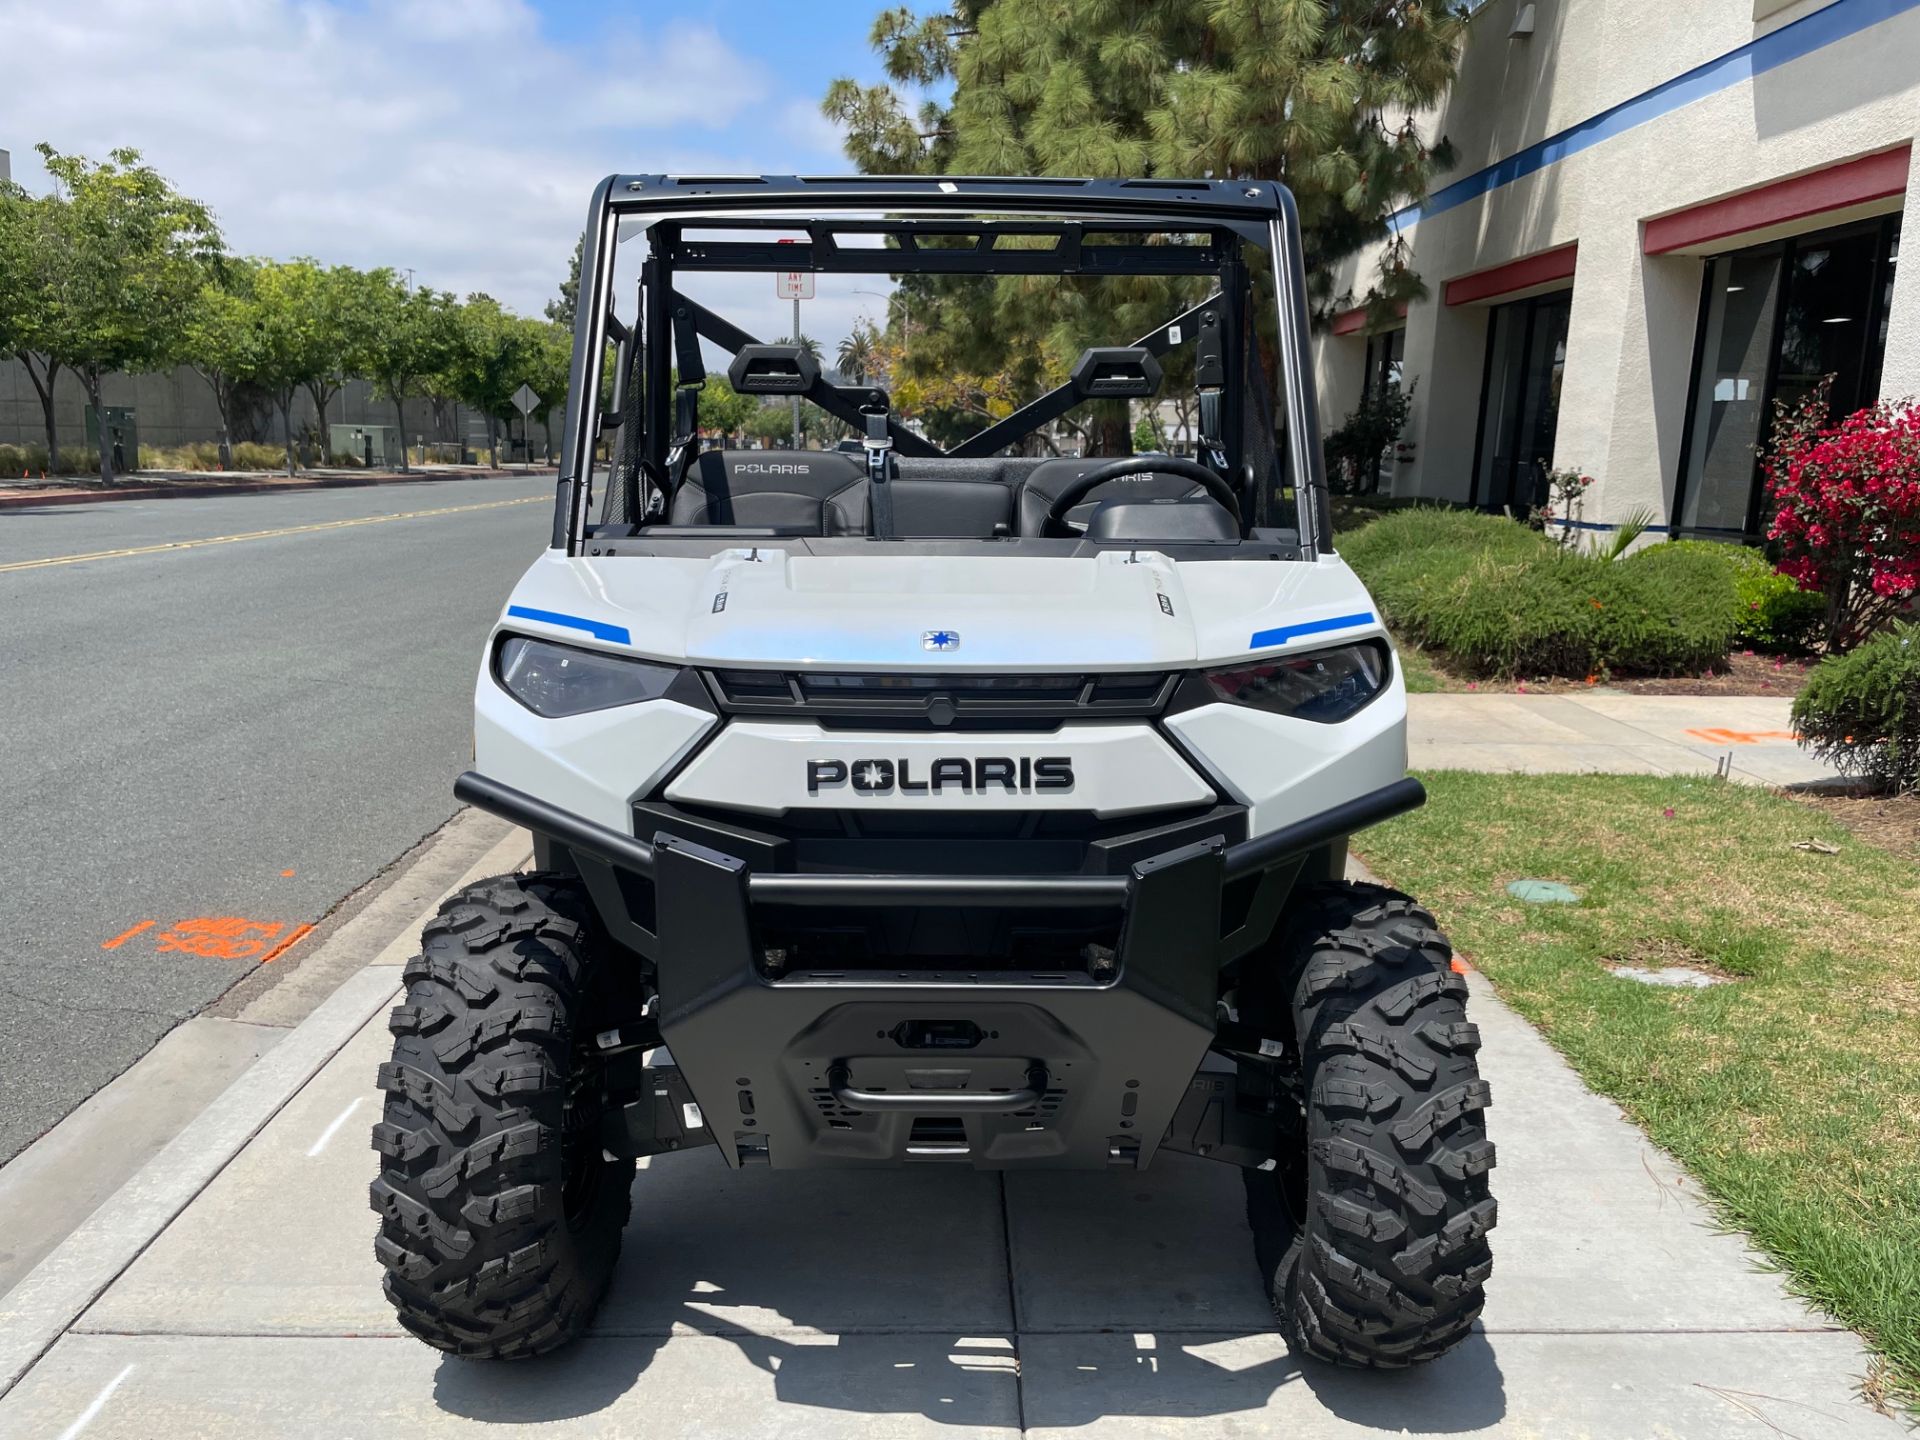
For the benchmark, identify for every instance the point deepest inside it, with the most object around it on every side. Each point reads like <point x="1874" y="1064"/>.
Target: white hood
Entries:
<point x="769" y="607"/>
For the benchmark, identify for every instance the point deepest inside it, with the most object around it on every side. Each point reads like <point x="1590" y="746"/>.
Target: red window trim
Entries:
<point x="1852" y="182"/>
<point x="1541" y="269"/>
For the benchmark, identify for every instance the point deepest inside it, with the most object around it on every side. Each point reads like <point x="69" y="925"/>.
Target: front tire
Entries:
<point x="500" y="1217"/>
<point x="1373" y="1242"/>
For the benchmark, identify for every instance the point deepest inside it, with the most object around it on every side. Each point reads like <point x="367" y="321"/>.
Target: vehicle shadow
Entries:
<point x="948" y="1295"/>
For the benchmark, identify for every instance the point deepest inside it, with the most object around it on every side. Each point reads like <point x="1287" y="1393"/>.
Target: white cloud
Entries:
<point x="452" y="137"/>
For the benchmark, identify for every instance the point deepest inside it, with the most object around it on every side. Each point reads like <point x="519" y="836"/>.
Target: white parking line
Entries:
<point x="328" y="1133"/>
<point x="99" y="1402"/>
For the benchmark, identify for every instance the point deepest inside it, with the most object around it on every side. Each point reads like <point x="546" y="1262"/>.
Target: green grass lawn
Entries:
<point x="1417" y="666"/>
<point x="1793" y="1093"/>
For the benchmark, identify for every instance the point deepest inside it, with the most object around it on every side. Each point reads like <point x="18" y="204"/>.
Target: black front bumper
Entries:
<point x="997" y="1067"/>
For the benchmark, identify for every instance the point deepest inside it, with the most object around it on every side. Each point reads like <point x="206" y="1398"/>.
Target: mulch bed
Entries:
<point x="1745" y="674"/>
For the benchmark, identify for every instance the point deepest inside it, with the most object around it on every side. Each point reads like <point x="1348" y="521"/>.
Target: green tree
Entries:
<point x="411" y="334"/>
<point x="856" y="354"/>
<point x="25" y="299"/>
<point x="493" y="362"/>
<point x="560" y="310"/>
<point x="548" y="363"/>
<point x="344" y="338"/>
<point x="219" y="341"/>
<point x="291" y="343"/>
<point x="723" y="409"/>
<point x="121" y="260"/>
<point x="1313" y="93"/>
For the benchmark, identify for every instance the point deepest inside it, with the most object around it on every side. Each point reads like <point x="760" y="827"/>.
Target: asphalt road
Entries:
<point x="203" y="748"/>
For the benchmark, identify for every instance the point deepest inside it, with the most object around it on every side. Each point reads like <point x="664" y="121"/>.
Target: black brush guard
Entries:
<point x="997" y="1068"/>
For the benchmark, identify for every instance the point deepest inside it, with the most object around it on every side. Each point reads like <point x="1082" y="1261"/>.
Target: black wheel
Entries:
<point x="500" y="1216"/>
<point x="1372" y="1232"/>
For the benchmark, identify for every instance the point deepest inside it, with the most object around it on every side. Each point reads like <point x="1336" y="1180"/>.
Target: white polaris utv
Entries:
<point x="939" y="805"/>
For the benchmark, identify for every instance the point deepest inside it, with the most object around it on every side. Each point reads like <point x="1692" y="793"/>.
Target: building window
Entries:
<point x="1386" y="357"/>
<point x="1775" y="320"/>
<point x="1520" y="401"/>
<point x="1386" y="353"/>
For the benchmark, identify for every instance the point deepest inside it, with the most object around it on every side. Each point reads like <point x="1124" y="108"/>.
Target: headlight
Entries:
<point x="555" y="680"/>
<point x="1328" y="685"/>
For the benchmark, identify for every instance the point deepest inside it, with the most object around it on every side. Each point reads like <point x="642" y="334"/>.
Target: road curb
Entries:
<point x="41" y="1308"/>
<point x="27" y="500"/>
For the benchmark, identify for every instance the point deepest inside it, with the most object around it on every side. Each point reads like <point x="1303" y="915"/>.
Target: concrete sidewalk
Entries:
<point x="231" y="1290"/>
<point x="1612" y="732"/>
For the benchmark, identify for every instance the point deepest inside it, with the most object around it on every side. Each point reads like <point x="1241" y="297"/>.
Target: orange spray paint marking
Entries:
<point x="220" y="937"/>
<point x="1460" y="967"/>
<point x="294" y="937"/>
<point x="126" y="935"/>
<point x="286" y="874"/>
<point x="1741" y="737"/>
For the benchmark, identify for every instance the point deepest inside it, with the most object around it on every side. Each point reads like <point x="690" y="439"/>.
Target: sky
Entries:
<point x="460" y="139"/>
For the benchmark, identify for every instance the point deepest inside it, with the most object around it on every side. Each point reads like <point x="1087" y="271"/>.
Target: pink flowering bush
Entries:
<point x="1847" y="510"/>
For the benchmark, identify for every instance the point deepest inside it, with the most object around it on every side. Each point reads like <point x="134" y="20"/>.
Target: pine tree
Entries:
<point x="1314" y="93"/>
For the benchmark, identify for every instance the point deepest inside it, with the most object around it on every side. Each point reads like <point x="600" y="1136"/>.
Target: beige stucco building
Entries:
<point x="1660" y="219"/>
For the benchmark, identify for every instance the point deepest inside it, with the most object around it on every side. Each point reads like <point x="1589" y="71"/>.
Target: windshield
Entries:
<point x="952" y="377"/>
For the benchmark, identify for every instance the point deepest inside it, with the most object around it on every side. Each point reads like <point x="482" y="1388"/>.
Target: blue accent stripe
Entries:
<point x="1263" y="638"/>
<point x="599" y="629"/>
<point x="1812" y="32"/>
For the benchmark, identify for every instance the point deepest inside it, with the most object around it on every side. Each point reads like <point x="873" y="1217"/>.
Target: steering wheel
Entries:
<point x="1077" y="490"/>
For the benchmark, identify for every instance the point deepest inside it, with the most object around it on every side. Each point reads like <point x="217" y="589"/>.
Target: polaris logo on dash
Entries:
<point x="762" y="467"/>
<point x="949" y="772"/>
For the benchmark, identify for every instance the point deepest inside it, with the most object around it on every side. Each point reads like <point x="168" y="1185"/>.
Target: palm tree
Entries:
<point x="856" y="355"/>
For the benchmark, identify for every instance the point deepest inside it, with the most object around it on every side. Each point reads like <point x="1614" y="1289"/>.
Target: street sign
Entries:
<point x="524" y="400"/>
<point x="793" y="284"/>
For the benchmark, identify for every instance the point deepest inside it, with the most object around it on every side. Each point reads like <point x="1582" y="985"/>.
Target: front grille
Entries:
<point x="941" y="701"/>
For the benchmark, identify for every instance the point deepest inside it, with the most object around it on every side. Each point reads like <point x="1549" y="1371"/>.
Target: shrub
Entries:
<point x="1773" y="613"/>
<point x="1502" y="599"/>
<point x="204" y="455"/>
<point x="1860" y="712"/>
<point x="1847" y="509"/>
<point x="32" y="460"/>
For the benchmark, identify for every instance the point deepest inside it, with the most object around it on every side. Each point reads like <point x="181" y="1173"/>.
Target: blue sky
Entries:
<point x="458" y="138"/>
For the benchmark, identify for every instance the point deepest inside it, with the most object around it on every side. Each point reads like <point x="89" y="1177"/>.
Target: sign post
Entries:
<point x="794" y="285"/>
<point x="524" y="400"/>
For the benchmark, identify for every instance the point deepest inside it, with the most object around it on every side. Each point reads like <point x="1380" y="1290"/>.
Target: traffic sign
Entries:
<point x="524" y="400"/>
<point x="793" y="284"/>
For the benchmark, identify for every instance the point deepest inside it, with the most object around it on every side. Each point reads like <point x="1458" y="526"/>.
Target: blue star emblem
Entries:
<point x="940" y="639"/>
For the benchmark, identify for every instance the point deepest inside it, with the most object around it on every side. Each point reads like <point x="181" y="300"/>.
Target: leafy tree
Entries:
<point x="723" y="410"/>
<point x="26" y="298"/>
<point x="344" y="337"/>
<point x="411" y="334"/>
<point x="120" y="258"/>
<point x="493" y="361"/>
<point x="548" y="366"/>
<point x="287" y="311"/>
<point x="219" y="342"/>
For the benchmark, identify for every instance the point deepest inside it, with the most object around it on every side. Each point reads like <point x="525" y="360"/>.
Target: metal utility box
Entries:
<point x="123" y="435"/>
<point x="374" y="446"/>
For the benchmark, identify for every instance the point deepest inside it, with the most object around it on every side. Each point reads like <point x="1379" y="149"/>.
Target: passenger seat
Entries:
<point x="818" y="492"/>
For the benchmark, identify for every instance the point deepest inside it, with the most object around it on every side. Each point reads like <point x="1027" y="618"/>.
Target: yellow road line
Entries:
<point x="263" y="534"/>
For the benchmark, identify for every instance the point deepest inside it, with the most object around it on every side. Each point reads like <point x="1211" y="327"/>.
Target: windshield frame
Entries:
<point x="1259" y="213"/>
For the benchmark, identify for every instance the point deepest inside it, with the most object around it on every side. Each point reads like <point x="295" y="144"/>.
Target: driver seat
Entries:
<point x="1048" y="480"/>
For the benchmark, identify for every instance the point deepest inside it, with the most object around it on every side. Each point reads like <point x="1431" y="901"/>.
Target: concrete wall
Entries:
<point x="176" y="407"/>
<point x="1631" y="332"/>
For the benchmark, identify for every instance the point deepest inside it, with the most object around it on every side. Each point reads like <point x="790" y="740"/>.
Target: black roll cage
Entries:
<point x="1088" y="221"/>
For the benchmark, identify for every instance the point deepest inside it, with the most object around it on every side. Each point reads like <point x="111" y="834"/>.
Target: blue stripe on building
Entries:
<point x="1803" y="37"/>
